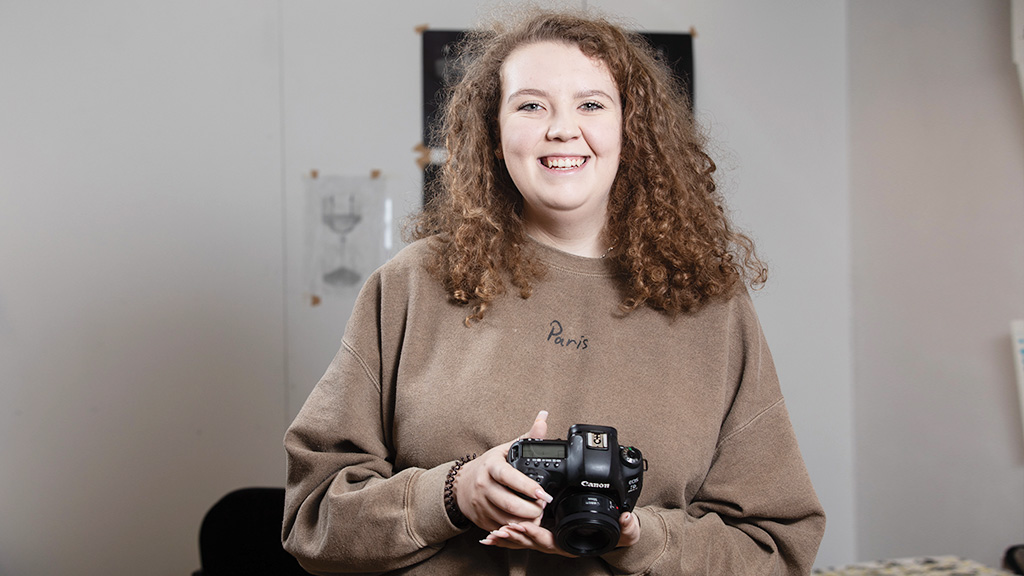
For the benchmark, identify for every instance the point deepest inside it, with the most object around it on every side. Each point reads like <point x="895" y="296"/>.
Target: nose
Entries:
<point x="563" y="127"/>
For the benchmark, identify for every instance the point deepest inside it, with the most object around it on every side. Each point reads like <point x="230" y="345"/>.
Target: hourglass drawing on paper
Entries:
<point x="342" y="220"/>
<point x="348" y="231"/>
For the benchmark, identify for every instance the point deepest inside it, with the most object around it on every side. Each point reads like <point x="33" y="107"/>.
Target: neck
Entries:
<point x="587" y="242"/>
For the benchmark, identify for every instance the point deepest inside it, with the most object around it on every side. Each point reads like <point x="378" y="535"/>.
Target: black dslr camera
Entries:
<point x="592" y="479"/>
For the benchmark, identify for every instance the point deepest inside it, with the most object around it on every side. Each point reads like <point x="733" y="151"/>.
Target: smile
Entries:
<point x="563" y="162"/>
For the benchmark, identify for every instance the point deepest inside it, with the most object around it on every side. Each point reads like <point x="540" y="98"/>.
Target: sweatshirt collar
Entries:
<point x="556" y="258"/>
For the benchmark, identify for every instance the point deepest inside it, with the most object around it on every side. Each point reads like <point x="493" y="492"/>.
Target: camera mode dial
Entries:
<point x="630" y="456"/>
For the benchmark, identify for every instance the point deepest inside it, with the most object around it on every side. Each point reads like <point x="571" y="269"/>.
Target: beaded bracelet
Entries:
<point x="450" y="506"/>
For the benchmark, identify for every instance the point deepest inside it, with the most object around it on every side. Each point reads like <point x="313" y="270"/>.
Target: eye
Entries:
<point x="591" y="105"/>
<point x="529" y="106"/>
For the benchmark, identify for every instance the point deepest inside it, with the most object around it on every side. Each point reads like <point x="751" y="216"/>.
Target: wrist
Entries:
<point x="451" y="504"/>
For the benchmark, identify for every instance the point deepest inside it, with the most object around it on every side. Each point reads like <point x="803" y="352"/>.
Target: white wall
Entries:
<point x="937" y="189"/>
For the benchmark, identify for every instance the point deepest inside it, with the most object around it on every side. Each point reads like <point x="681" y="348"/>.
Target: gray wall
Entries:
<point x="141" y="318"/>
<point x="937" y="205"/>
<point x="156" y="334"/>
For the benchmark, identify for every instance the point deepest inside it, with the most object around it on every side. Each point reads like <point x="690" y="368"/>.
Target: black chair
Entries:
<point x="241" y="536"/>
<point x="1013" y="560"/>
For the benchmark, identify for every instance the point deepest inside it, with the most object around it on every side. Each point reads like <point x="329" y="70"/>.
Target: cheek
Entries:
<point x="607" y="140"/>
<point x="614" y="146"/>
<point x="514" y="141"/>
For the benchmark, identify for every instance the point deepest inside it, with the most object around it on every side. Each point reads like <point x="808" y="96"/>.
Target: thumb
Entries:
<point x="540" y="426"/>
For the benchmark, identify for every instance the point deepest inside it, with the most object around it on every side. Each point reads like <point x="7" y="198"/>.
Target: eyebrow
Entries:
<point x="578" y="95"/>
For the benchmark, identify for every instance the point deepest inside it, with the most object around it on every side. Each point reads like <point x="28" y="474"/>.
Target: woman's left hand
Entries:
<point x="529" y="535"/>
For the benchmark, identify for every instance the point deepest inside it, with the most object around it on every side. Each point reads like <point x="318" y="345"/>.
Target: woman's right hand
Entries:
<point x="487" y="489"/>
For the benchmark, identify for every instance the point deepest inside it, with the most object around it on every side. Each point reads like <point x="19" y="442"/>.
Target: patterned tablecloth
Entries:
<point x="930" y="566"/>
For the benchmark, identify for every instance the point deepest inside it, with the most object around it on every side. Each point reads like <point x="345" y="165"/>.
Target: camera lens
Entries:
<point x="587" y="524"/>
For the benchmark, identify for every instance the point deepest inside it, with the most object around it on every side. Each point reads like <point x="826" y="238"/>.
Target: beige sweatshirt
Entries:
<point x="412" y="389"/>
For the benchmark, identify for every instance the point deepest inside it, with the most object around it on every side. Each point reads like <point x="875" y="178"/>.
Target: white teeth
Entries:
<point x="564" y="163"/>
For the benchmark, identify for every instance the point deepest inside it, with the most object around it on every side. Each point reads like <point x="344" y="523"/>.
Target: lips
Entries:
<point x="563" y="162"/>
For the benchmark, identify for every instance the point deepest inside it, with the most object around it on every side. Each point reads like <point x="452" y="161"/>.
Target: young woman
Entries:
<point x="576" y="267"/>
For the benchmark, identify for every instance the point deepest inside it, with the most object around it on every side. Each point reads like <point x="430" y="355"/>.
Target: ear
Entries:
<point x="498" y="154"/>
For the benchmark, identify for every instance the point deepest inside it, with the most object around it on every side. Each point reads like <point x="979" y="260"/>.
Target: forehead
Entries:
<point x="549" y="65"/>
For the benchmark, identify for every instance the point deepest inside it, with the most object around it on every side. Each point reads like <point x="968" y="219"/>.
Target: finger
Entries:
<point x="542" y="537"/>
<point x="494" y="503"/>
<point x="502" y="533"/>
<point x="504" y="537"/>
<point x="523" y="485"/>
<point x="492" y="517"/>
<point x="538" y="430"/>
<point x="525" y="535"/>
<point x="513" y="507"/>
<point x="524" y="500"/>
<point x="485" y="501"/>
<point x="629" y="526"/>
<point x="540" y="426"/>
<point x="511" y="535"/>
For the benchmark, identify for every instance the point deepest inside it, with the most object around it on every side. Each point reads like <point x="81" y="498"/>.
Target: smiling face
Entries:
<point x="560" y="121"/>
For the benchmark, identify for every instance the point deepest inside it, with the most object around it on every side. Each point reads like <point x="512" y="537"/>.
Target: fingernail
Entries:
<point x="542" y="495"/>
<point x="626" y="517"/>
<point x="542" y="415"/>
<point x="486" y="541"/>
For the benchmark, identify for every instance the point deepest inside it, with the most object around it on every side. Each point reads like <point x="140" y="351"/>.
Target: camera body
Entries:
<point x="592" y="479"/>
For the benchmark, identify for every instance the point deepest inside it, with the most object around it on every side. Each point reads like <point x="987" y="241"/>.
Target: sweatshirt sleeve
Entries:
<point x="347" y="510"/>
<point x="755" y="514"/>
<point x="756" y="511"/>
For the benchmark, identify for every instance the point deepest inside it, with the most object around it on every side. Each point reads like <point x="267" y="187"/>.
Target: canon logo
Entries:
<point x="595" y="484"/>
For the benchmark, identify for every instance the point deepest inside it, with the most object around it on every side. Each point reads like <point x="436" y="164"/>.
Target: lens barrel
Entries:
<point x="587" y="524"/>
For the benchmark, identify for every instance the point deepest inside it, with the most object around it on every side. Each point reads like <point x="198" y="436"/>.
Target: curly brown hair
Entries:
<point x="675" y="248"/>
